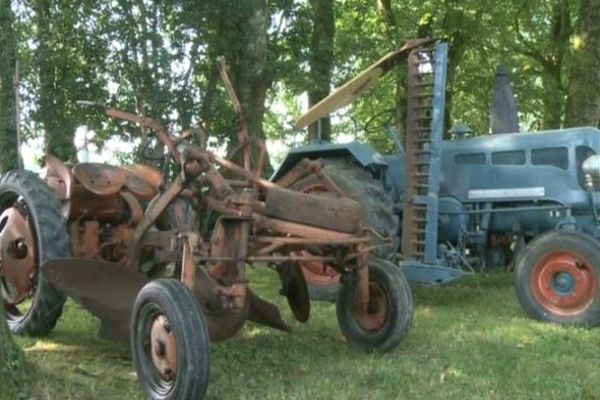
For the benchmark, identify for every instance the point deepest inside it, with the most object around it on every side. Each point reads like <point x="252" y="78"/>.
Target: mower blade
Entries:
<point x="105" y="289"/>
<point x="265" y="313"/>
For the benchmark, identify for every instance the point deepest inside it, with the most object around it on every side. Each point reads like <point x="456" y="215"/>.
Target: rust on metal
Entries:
<point x="147" y="174"/>
<point x="295" y="290"/>
<point x="17" y="254"/>
<point x="105" y="289"/>
<point x="163" y="348"/>
<point x="100" y="179"/>
<point x="340" y="214"/>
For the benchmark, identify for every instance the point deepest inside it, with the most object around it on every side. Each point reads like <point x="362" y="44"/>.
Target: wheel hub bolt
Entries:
<point x="159" y="349"/>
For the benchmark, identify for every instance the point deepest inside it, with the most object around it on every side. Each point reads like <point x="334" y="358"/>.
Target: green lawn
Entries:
<point x="469" y="340"/>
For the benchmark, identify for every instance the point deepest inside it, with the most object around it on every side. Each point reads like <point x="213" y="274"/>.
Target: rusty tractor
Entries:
<point x="120" y="241"/>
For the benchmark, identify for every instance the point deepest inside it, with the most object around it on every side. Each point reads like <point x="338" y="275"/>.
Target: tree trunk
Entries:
<point x="553" y="98"/>
<point x="53" y="98"/>
<point x="583" y="96"/>
<point x="393" y="35"/>
<point x="250" y="70"/>
<point x="9" y="150"/>
<point x="321" y="63"/>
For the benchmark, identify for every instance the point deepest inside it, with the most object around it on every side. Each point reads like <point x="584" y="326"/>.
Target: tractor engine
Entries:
<point x="102" y="204"/>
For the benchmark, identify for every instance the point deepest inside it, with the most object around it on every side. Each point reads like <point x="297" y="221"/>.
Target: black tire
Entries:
<point x="396" y="322"/>
<point x="172" y="300"/>
<point x="52" y="243"/>
<point x="557" y="278"/>
<point x="377" y="208"/>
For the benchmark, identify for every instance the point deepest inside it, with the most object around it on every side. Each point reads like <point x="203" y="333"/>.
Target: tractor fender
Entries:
<point x="364" y="155"/>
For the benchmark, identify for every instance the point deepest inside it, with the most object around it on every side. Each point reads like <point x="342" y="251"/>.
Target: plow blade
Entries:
<point x="265" y="313"/>
<point x="295" y="290"/>
<point x="105" y="289"/>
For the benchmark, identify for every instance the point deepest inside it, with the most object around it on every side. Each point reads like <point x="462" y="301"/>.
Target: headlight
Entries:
<point x="591" y="166"/>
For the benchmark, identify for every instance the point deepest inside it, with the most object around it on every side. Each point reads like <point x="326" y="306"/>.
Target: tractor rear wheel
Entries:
<point x="32" y="232"/>
<point x="388" y="317"/>
<point x="169" y="341"/>
<point x="557" y="279"/>
<point x="378" y="210"/>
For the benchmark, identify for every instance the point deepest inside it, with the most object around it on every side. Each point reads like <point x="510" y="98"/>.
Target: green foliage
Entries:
<point x="8" y="127"/>
<point x="16" y="374"/>
<point x="158" y="58"/>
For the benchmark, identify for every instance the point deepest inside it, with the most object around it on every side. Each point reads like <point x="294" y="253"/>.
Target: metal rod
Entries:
<point x="507" y="209"/>
<point x="267" y="258"/>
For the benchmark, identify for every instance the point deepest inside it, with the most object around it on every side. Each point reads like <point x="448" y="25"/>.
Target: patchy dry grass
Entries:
<point x="469" y="340"/>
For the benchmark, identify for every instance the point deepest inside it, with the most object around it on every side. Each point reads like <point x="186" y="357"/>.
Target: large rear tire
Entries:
<point x="378" y="211"/>
<point x="27" y="200"/>
<point x="170" y="343"/>
<point x="388" y="317"/>
<point x="557" y="279"/>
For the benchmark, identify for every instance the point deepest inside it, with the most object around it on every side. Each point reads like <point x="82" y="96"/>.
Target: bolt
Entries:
<point x="169" y="374"/>
<point x="159" y="349"/>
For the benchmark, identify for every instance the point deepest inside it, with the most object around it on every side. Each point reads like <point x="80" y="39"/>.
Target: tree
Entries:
<point x="321" y="62"/>
<point x="583" y="95"/>
<point x="67" y="66"/>
<point x="8" y="58"/>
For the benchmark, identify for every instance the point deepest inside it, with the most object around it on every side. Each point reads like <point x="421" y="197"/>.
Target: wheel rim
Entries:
<point x="564" y="283"/>
<point x="18" y="255"/>
<point x="375" y="316"/>
<point x="158" y="349"/>
<point x="317" y="272"/>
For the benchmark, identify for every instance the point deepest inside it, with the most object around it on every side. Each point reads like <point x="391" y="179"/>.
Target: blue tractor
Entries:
<point x="442" y="208"/>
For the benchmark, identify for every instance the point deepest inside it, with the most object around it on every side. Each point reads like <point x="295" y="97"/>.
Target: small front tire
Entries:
<point x="388" y="317"/>
<point x="169" y="341"/>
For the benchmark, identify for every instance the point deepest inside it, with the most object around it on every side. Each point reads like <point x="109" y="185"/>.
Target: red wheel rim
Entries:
<point x="317" y="272"/>
<point x="18" y="255"/>
<point x="564" y="283"/>
<point x="163" y="348"/>
<point x="374" y="317"/>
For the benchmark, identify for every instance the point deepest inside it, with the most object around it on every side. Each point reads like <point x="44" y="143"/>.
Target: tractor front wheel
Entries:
<point x="169" y="341"/>
<point x="387" y="318"/>
<point x="558" y="277"/>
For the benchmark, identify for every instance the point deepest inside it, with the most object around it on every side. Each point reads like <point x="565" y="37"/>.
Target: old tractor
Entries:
<point x="120" y="241"/>
<point x="525" y="199"/>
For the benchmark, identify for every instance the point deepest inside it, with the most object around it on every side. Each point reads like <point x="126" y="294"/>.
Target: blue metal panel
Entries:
<point x="562" y="185"/>
<point x="437" y="130"/>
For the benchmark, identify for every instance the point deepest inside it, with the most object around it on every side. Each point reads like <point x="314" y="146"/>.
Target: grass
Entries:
<point x="469" y="340"/>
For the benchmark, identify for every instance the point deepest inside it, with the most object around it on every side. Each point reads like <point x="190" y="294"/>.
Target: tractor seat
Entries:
<point x="104" y="179"/>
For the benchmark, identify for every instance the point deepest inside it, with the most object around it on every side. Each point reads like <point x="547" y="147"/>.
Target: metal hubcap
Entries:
<point x="564" y="283"/>
<point x="163" y="348"/>
<point x="374" y="317"/>
<point x="17" y="254"/>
